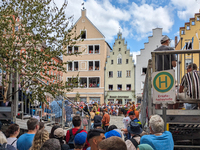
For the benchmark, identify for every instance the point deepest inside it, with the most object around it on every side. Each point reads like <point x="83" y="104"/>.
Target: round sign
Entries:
<point x="163" y="82"/>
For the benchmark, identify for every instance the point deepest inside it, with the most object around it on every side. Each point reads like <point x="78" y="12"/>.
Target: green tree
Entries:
<point x="32" y="33"/>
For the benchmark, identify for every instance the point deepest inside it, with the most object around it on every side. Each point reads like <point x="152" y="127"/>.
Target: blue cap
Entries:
<point x="80" y="138"/>
<point x="112" y="133"/>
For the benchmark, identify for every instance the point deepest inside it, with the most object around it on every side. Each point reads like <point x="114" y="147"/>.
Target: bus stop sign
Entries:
<point x="164" y="87"/>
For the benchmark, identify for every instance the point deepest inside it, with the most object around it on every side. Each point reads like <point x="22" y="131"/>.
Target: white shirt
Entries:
<point x="11" y="140"/>
<point x="126" y="121"/>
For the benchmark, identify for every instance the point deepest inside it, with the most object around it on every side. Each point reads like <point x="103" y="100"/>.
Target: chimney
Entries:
<point x="176" y="40"/>
<point x="83" y="12"/>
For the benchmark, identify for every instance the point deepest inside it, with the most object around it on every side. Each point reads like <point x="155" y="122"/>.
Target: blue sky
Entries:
<point x="135" y="18"/>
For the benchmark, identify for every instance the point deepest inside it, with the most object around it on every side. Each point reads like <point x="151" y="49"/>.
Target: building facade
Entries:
<point x="89" y="65"/>
<point x="142" y="60"/>
<point x="189" y="39"/>
<point x="119" y="74"/>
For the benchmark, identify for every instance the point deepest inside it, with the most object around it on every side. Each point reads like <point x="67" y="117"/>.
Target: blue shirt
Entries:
<point x="162" y="142"/>
<point x="25" y="141"/>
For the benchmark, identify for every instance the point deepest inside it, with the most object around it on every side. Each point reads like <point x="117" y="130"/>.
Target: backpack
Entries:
<point x="3" y="147"/>
<point x="135" y="143"/>
<point x="71" y="140"/>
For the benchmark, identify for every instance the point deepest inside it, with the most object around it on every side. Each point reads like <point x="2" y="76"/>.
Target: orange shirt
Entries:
<point x="137" y="114"/>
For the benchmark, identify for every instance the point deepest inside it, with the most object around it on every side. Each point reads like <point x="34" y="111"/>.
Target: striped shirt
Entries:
<point x="191" y="81"/>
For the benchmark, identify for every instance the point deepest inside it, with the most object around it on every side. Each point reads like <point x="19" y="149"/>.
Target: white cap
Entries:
<point x="165" y="38"/>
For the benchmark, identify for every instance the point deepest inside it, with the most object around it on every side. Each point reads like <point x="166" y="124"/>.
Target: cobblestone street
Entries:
<point x="117" y="120"/>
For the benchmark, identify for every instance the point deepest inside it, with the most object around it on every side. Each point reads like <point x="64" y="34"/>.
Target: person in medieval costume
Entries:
<point x="69" y="112"/>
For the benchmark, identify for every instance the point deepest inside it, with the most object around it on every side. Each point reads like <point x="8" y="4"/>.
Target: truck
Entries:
<point x="184" y="124"/>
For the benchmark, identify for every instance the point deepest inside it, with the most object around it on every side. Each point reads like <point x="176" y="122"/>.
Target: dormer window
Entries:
<point x="188" y="28"/>
<point x="193" y="22"/>
<point x="198" y="18"/>
<point x="83" y="34"/>
<point x="182" y="31"/>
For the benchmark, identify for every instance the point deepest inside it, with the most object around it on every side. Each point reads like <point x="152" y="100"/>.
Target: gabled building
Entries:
<point x="90" y="64"/>
<point x="142" y="60"/>
<point x="120" y="74"/>
<point x="189" y="39"/>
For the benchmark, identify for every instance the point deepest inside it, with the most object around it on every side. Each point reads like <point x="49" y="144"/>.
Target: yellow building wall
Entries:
<point x="188" y="32"/>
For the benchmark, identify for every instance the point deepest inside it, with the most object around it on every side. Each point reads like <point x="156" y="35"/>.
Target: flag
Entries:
<point x="197" y="35"/>
<point x="184" y="47"/>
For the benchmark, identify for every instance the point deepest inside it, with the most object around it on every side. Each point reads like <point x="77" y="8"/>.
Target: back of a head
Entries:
<point x="40" y="137"/>
<point x="156" y="123"/>
<point x="112" y="143"/>
<point x="94" y="132"/>
<point x="51" y="144"/>
<point x="56" y="126"/>
<point x="76" y="121"/>
<point x="192" y="65"/>
<point x="32" y="123"/>
<point x="12" y="129"/>
<point x="112" y="127"/>
<point x="164" y="39"/>
<point x="41" y="124"/>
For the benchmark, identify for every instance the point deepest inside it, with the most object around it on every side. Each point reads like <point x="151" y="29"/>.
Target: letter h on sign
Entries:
<point x="165" y="81"/>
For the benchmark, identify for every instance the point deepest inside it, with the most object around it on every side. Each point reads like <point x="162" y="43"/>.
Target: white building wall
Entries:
<point x="145" y="55"/>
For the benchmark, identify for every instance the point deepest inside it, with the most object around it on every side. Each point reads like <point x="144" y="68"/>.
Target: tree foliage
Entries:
<point x="32" y="34"/>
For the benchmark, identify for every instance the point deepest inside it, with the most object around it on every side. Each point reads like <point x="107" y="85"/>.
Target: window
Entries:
<point x="144" y="70"/>
<point x="188" y="28"/>
<point x="126" y="61"/>
<point x="128" y="73"/>
<point x="125" y="52"/>
<point x="193" y="23"/>
<point x="94" y="82"/>
<point x="182" y="31"/>
<point x="70" y="66"/>
<point x="198" y="18"/>
<point x="188" y="45"/>
<point x="128" y="87"/>
<point x="119" y="61"/>
<point x="119" y="49"/>
<point x="111" y="61"/>
<point x="83" y="34"/>
<point x="110" y="87"/>
<point x="110" y="74"/>
<point x="69" y="49"/>
<point x="119" y="42"/>
<point x="72" y="82"/>
<point x="76" y="66"/>
<point x="90" y="65"/>
<point x="96" y="65"/>
<point x="93" y="49"/>
<point x="96" y="49"/>
<point x="75" y="49"/>
<point x="113" y="53"/>
<point x="119" y="87"/>
<point x="119" y="74"/>
<point x="83" y="82"/>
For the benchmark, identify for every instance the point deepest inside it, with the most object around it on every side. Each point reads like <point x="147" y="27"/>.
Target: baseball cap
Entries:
<point x="131" y="113"/>
<point x="80" y="138"/>
<point x="165" y="38"/>
<point x="112" y="133"/>
<point x="58" y="133"/>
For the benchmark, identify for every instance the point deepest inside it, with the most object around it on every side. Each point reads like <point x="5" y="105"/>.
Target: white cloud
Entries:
<point x="122" y="1"/>
<point x="186" y="8"/>
<point x="146" y="18"/>
<point x="105" y="16"/>
<point x="172" y="43"/>
<point x="134" y="55"/>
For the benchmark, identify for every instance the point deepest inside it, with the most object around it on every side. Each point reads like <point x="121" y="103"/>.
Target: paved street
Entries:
<point x="117" y="120"/>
